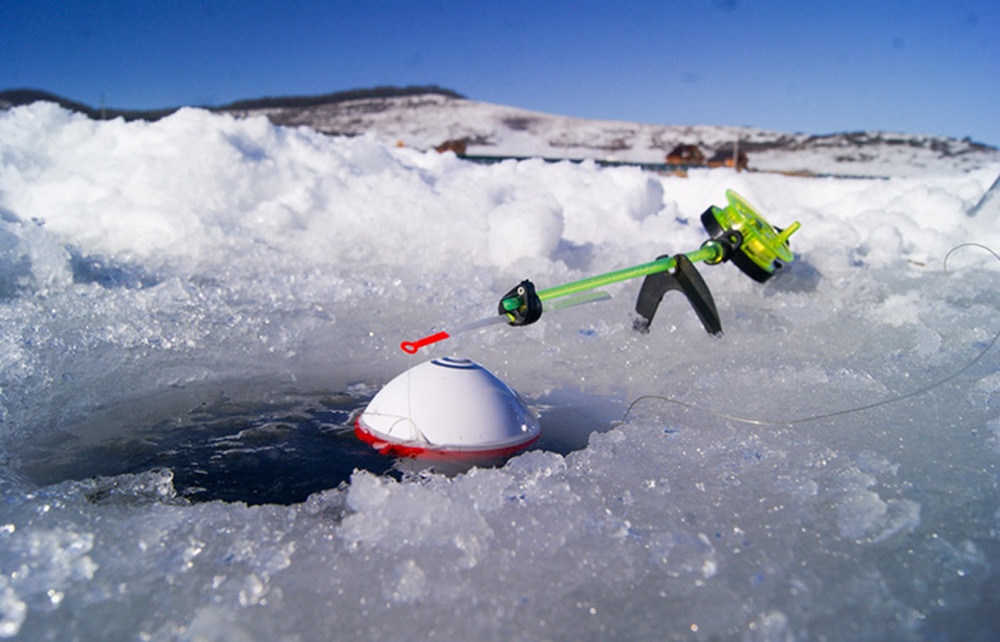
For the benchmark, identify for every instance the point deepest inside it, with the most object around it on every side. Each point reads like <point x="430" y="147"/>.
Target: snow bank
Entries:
<point x="203" y="261"/>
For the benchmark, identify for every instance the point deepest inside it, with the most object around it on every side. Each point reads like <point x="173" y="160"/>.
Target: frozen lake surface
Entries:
<point x="192" y="310"/>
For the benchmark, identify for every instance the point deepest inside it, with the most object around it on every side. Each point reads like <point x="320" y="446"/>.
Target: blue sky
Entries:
<point x="928" y="67"/>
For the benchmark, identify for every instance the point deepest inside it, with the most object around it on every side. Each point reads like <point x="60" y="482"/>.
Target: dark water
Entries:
<point x="274" y="450"/>
<point x="270" y="449"/>
<point x="256" y="453"/>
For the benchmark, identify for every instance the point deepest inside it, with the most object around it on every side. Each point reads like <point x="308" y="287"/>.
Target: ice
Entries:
<point x="208" y="282"/>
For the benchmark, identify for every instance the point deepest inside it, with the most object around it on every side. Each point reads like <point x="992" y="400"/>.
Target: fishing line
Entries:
<point x="837" y="413"/>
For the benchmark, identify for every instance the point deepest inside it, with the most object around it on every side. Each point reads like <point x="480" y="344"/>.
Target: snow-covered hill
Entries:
<point x="427" y="120"/>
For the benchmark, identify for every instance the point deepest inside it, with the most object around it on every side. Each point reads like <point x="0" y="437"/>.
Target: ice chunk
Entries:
<point x="522" y="230"/>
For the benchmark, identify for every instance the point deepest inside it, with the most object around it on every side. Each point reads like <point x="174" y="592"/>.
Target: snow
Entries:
<point x="160" y="279"/>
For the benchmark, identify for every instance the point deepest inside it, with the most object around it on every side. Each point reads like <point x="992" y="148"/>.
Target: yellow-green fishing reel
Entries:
<point x="748" y="240"/>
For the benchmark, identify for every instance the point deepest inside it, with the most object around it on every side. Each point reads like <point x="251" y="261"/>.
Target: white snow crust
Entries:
<point x="151" y="265"/>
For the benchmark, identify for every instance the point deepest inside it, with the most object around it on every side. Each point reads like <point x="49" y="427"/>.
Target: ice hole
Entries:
<point x="266" y="448"/>
<point x="259" y="450"/>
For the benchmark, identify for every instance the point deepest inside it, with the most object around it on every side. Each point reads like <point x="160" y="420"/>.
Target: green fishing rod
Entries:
<point x="737" y="233"/>
<point x="710" y="253"/>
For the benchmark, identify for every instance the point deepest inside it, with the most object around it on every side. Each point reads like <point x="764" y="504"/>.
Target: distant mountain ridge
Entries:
<point x="15" y="97"/>
<point x="427" y="116"/>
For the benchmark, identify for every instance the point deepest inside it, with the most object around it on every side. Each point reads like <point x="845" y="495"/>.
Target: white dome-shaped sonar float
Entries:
<point x="447" y="408"/>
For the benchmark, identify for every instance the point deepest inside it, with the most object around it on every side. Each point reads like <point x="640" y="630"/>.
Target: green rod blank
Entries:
<point x="711" y="252"/>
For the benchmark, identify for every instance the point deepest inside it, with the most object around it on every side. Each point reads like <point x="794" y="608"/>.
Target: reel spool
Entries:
<point x="750" y="242"/>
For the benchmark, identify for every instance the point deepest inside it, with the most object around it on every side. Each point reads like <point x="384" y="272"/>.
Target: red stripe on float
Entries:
<point x="396" y="449"/>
